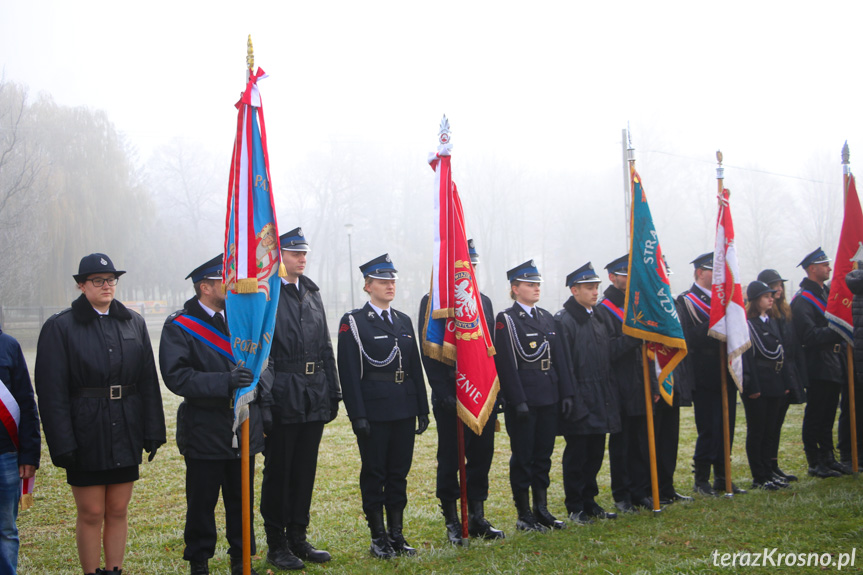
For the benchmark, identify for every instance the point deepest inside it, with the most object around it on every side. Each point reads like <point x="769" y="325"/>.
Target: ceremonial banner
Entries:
<point x="10" y="417"/>
<point x="727" y="314"/>
<point x="252" y="258"/>
<point x="455" y="331"/>
<point x="848" y="256"/>
<point x="649" y="310"/>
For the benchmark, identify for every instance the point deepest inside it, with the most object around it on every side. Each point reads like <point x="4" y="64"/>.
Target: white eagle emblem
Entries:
<point x="465" y="302"/>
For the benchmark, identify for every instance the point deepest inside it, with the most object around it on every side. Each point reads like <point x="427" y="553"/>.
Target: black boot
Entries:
<point x="831" y="463"/>
<point x="114" y="571"/>
<point x="397" y="539"/>
<point x="478" y="525"/>
<point x="449" y="509"/>
<point x="199" y="567"/>
<point x="786" y="477"/>
<point x="380" y="548"/>
<point x="702" y="478"/>
<point x="541" y="512"/>
<point x="302" y="548"/>
<point x="279" y="553"/>
<point x="526" y="520"/>
<point x="237" y="566"/>
<point x="817" y="467"/>
<point x="719" y="480"/>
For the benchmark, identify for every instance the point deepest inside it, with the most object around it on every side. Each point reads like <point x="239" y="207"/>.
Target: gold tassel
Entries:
<point x="283" y="273"/>
<point x="491" y="351"/>
<point x="247" y="285"/>
<point x="26" y="501"/>
<point x="443" y="313"/>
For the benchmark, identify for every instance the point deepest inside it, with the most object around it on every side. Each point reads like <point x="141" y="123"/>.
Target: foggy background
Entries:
<point x="117" y="122"/>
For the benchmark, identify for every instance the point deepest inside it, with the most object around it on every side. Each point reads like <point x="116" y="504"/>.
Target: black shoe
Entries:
<point x="302" y="548"/>
<point x="840" y="467"/>
<point x="702" y="478"/>
<point x="237" y="567"/>
<point x="719" y="487"/>
<point x="114" y="571"/>
<point x="380" y="547"/>
<point x="822" y="471"/>
<point x="449" y="508"/>
<point x="600" y="513"/>
<point x="199" y="567"/>
<point x="625" y="507"/>
<point x="541" y="512"/>
<point x="786" y="477"/>
<point x="526" y="520"/>
<point x="394" y="533"/>
<point x="580" y="518"/>
<point x="645" y="503"/>
<point x="765" y="486"/>
<point x="478" y="525"/>
<point x="282" y="557"/>
<point x="779" y="482"/>
<point x="678" y="497"/>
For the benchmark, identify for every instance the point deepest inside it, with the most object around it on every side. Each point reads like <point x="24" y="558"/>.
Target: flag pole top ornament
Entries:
<point x="630" y="150"/>
<point x="250" y="55"/>
<point x="445" y="133"/>
<point x="846" y="159"/>
<point x="720" y="171"/>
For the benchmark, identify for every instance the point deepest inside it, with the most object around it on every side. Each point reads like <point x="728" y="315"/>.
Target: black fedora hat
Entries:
<point x="95" y="264"/>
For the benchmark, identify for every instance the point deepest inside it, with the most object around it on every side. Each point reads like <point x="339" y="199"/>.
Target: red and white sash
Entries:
<point x="10" y="415"/>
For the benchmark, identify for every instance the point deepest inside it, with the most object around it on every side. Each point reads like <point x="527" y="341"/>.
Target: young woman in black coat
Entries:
<point x="100" y="404"/>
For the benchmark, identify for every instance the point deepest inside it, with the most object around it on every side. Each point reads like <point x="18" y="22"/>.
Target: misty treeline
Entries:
<point x="72" y="184"/>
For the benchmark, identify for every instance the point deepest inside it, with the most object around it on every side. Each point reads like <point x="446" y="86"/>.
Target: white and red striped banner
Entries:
<point x="10" y="416"/>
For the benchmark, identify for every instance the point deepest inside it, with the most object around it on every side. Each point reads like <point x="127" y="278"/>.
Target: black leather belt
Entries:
<point x="837" y="348"/>
<point x="541" y="365"/>
<point x="304" y="367"/>
<point x="775" y="364"/>
<point x="390" y="376"/>
<point x="223" y="402"/>
<point x="112" y="392"/>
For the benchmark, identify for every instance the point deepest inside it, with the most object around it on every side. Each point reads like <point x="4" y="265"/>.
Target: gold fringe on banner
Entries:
<point x="442" y="313"/>
<point x="283" y="273"/>
<point x="26" y="501"/>
<point x="247" y="285"/>
<point x="476" y="424"/>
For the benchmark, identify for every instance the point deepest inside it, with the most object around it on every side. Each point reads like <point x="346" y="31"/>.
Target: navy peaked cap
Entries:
<point x="380" y="268"/>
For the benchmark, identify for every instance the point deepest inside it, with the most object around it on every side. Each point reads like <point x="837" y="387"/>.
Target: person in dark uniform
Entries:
<point x="536" y="384"/>
<point x="196" y="364"/>
<point x="825" y="361"/>
<point x="666" y="425"/>
<point x="854" y="280"/>
<point x="478" y="449"/>
<point x="384" y="390"/>
<point x="306" y="396"/>
<point x="586" y="339"/>
<point x="703" y="352"/>
<point x="764" y="385"/>
<point x="795" y="366"/>
<point x="101" y="406"/>
<point x="627" y="449"/>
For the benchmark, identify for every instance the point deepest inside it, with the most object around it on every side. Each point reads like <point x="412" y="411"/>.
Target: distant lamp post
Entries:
<point x="350" y="228"/>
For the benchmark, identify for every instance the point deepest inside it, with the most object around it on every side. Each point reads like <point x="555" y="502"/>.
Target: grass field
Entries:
<point x="819" y="516"/>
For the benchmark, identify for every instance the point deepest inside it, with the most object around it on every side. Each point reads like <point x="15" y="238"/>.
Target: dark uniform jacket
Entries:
<point x="14" y="375"/>
<point x="441" y="376"/>
<point x="586" y="341"/>
<point x="764" y="368"/>
<point x="702" y="369"/>
<point x="371" y="392"/>
<point x="625" y="354"/>
<point x="523" y="381"/>
<point x="198" y="373"/>
<point x="302" y="340"/>
<point x="855" y="284"/>
<point x="824" y="348"/>
<point x="72" y="354"/>
<point x="795" y="361"/>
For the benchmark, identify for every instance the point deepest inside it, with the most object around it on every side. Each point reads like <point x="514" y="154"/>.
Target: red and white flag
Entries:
<point x="727" y="314"/>
<point x="848" y="256"/>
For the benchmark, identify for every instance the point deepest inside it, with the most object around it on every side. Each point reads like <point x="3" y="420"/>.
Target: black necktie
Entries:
<point x="219" y="322"/>
<point x="386" y="315"/>
<point x="533" y="312"/>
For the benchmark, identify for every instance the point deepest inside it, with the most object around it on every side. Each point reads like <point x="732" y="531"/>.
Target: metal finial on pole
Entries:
<point x="846" y="159"/>
<point x="720" y="171"/>
<point x="250" y="55"/>
<point x="445" y="133"/>
<point x="628" y="164"/>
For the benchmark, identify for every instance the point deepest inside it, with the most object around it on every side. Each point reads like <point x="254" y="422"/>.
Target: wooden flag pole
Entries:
<point x="651" y="440"/>
<point x="852" y="403"/>
<point x="244" y="427"/>
<point x="723" y="371"/>
<point x="462" y="479"/>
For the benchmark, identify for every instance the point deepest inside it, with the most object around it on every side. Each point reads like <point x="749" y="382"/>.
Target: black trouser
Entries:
<point x="204" y="479"/>
<point x="628" y="459"/>
<point x="774" y="435"/>
<point x="582" y="460"/>
<point x="708" y="422"/>
<point x="761" y="415"/>
<point x="844" y="441"/>
<point x="822" y="399"/>
<point x="478" y="451"/>
<point x="532" y="443"/>
<point x="666" y="430"/>
<point x="386" y="455"/>
<point x="290" y="463"/>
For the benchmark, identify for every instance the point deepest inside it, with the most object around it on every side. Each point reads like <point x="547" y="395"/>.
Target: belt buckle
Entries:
<point x="231" y="402"/>
<point x="400" y="376"/>
<point x="310" y="368"/>
<point x="779" y="365"/>
<point x="545" y="364"/>
<point x="837" y="348"/>
<point x="115" y="392"/>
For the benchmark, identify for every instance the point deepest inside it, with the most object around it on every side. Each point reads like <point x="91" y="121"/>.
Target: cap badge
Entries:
<point x="103" y="262"/>
<point x="388" y="258"/>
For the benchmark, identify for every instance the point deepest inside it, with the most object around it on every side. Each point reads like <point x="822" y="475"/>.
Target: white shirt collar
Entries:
<point x="708" y="292"/>
<point x="211" y="312"/>
<point x="378" y="311"/>
<point x="296" y="283"/>
<point x="526" y="308"/>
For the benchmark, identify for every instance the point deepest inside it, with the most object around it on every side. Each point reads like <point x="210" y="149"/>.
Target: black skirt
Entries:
<point x="86" y="478"/>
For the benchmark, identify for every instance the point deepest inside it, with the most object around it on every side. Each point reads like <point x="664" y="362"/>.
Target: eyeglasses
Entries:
<point x="98" y="282"/>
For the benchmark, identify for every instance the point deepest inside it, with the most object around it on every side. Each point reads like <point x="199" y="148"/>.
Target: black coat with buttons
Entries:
<point x="587" y="344"/>
<point x="823" y="347"/>
<point x="855" y="283"/>
<point x="364" y="391"/>
<point x="201" y="375"/>
<point x="72" y="353"/>
<point x="762" y="372"/>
